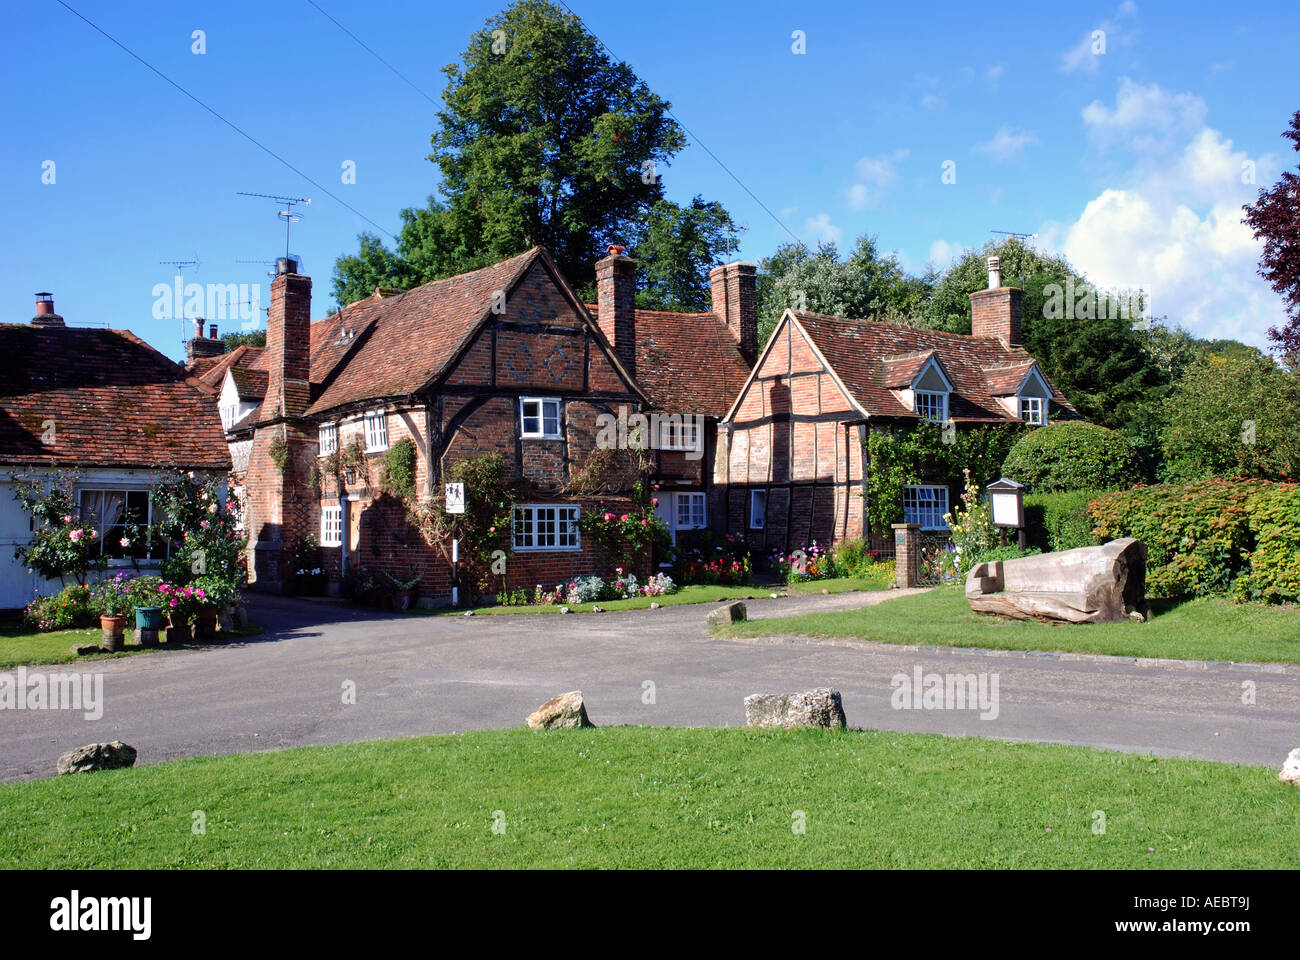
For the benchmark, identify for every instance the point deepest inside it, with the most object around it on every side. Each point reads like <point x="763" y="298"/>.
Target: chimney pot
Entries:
<point x="616" y="249"/>
<point x="198" y="327"/>
<point x="45" y="315"/>
<point x="212" y="331"/>
<point x="995" y="273"/>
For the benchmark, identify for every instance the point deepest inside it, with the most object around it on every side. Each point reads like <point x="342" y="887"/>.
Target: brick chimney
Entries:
<point x="288" y="343"/>
<point x="616" y="304"/>
<point x="735" y="300"/>
<point x="201" y="346"/>
<point x="995" y="312"/>
<point x="45" y="315"/>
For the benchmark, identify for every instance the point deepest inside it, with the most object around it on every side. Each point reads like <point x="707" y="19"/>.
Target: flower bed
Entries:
<point x="592" y="589"/>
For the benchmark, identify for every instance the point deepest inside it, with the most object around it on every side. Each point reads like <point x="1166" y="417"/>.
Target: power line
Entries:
<point x="251" y="139"/>
<point x="703" y="146"/>
<point x="405" y="79"/>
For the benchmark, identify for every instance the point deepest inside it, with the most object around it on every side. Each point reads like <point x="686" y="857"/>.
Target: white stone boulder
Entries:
<point x="812" y="708"/>
<point x="563" y="712"/>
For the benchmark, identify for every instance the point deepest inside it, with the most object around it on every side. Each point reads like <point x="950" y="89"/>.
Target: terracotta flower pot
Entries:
<point x="113" y="630"/>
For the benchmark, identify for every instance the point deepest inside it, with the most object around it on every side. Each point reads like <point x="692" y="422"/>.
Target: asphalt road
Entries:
<point x="419" y="675"/>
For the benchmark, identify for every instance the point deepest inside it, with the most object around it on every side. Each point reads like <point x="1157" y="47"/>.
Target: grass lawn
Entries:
<point x="642" y="797"/>
<point x="840" y="585"/>
<point x="697" y="593"/>
<point x="20" y="645"/>
<point x="1207" y="629"/>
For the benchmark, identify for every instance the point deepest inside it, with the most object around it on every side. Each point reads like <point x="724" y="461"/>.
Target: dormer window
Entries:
<point x="1033" y="410"/>
<point x="932" y="405"/>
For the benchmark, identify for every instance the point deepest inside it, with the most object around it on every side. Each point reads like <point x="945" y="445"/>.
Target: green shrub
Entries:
<point x="1003" y="553"/>
<point x="855" y="558"/>
<point x="73" y="606"/>
<point x="1073" y="455"/>
<point x="1211" y="536"/>
<point x="1059" y="521"/>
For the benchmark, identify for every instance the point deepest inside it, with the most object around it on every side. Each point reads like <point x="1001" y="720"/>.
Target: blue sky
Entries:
<point x="1131" y="162"/>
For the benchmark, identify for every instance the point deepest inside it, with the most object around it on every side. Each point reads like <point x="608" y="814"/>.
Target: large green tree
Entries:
<point x="543" y="139"/>
<point x="864" y="285"/>
<point x="1232" y="415"/>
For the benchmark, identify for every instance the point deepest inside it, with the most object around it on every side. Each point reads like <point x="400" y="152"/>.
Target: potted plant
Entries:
<point x="213" y="593"/>
<point x="147" y="603"/>
<point x="181" y="604"/>
<point x="114" y="600"/>
<point x="404" y="588"/>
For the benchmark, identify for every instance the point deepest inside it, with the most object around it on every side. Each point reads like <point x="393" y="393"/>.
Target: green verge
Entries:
<point x="697" y="593"/>
<point x="20" y="646"/>
<point x="1206" y="629"/>
<point x="839" y="585"/>
<point x="642" y="797"/>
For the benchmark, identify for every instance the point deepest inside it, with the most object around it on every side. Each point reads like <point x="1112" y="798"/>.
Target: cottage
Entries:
<point x="102" y="406"/>
<point x="504" y="360"/>
<point x="792" y="448"/>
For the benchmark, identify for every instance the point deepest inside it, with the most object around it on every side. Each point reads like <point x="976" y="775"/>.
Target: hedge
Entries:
<point x="1073" y="455"/>
<point x="1215" y="536"/>
<point x="1060" y="521"/>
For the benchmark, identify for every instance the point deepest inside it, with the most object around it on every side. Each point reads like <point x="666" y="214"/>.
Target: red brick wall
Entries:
<point x="996" y="314"/>
<point x="791" y="437"/>
<point x="616" y="306"/>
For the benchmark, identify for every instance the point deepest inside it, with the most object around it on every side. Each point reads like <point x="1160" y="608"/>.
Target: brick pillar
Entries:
<point x="735" y="301"/>
<point x="907" y="554"/>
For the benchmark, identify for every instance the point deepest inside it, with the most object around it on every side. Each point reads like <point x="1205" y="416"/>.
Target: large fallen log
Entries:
<point x="1086" y="585"/>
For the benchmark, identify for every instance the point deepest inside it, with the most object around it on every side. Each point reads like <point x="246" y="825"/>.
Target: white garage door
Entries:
<point x="17" y="583"/>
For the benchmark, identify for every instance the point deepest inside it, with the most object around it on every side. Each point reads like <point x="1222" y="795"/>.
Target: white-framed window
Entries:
<point x="757" y="509"/>
<point x="329" y="439"/>
<point x="228" y="416"/>
<point x="679" y="434"/>
<point x="111" y="515"/>
<point x="925" y="504"/>
<point x="932" y="405"/>
<point x="539" y="417"/>
<point x="331" y="526"/>
<point x="376" y="430"/>
<point x="1033" y="410"/>
<point x="691" y="512"/>
<point x="546" y="526"/>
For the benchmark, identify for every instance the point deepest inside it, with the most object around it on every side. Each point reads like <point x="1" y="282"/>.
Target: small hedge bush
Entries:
<point x="1073" y="455"/>
<point x="1003" y="553"/>
<point x="1060" y="521"/>
<point x="1216" y="536"/>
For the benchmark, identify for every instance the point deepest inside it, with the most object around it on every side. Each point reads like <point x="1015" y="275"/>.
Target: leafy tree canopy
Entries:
<point x="254" y="338"/>
<point x="1234" y="416"/>
<point x="1275" y="219"/>
<point x="866" y="284"/>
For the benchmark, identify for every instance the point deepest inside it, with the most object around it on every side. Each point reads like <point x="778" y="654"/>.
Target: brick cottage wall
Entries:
<point x="793" y="436"/>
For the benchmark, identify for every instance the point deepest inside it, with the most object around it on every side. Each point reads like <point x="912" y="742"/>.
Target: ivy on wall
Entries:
<point x="903" y="455"/>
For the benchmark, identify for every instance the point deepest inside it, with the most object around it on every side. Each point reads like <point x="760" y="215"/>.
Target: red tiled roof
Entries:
<point x="402" y="343"/>
<point x="687" y="363"/>
<point x="1004" y="381"/>
<point x="213" y="373"/>
<point x="113" y="400"/>
<point x="857" y="351"/>
<point x="899" y="373"/>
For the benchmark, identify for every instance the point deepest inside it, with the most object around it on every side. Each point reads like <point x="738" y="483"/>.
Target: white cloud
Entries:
<point x="822" y="230"/>
<point x="876" y="175"/>
<point x="994" y="73"/>
<point x="1086" y="55"/>
<point x="1144" y="115"/>
<point x="1172" y="224"/>
<point x="1006" y="143"/>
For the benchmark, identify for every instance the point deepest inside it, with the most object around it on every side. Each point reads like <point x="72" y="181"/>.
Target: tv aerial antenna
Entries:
<point x="288" y="215"/>
<point x="179" y="305"/>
